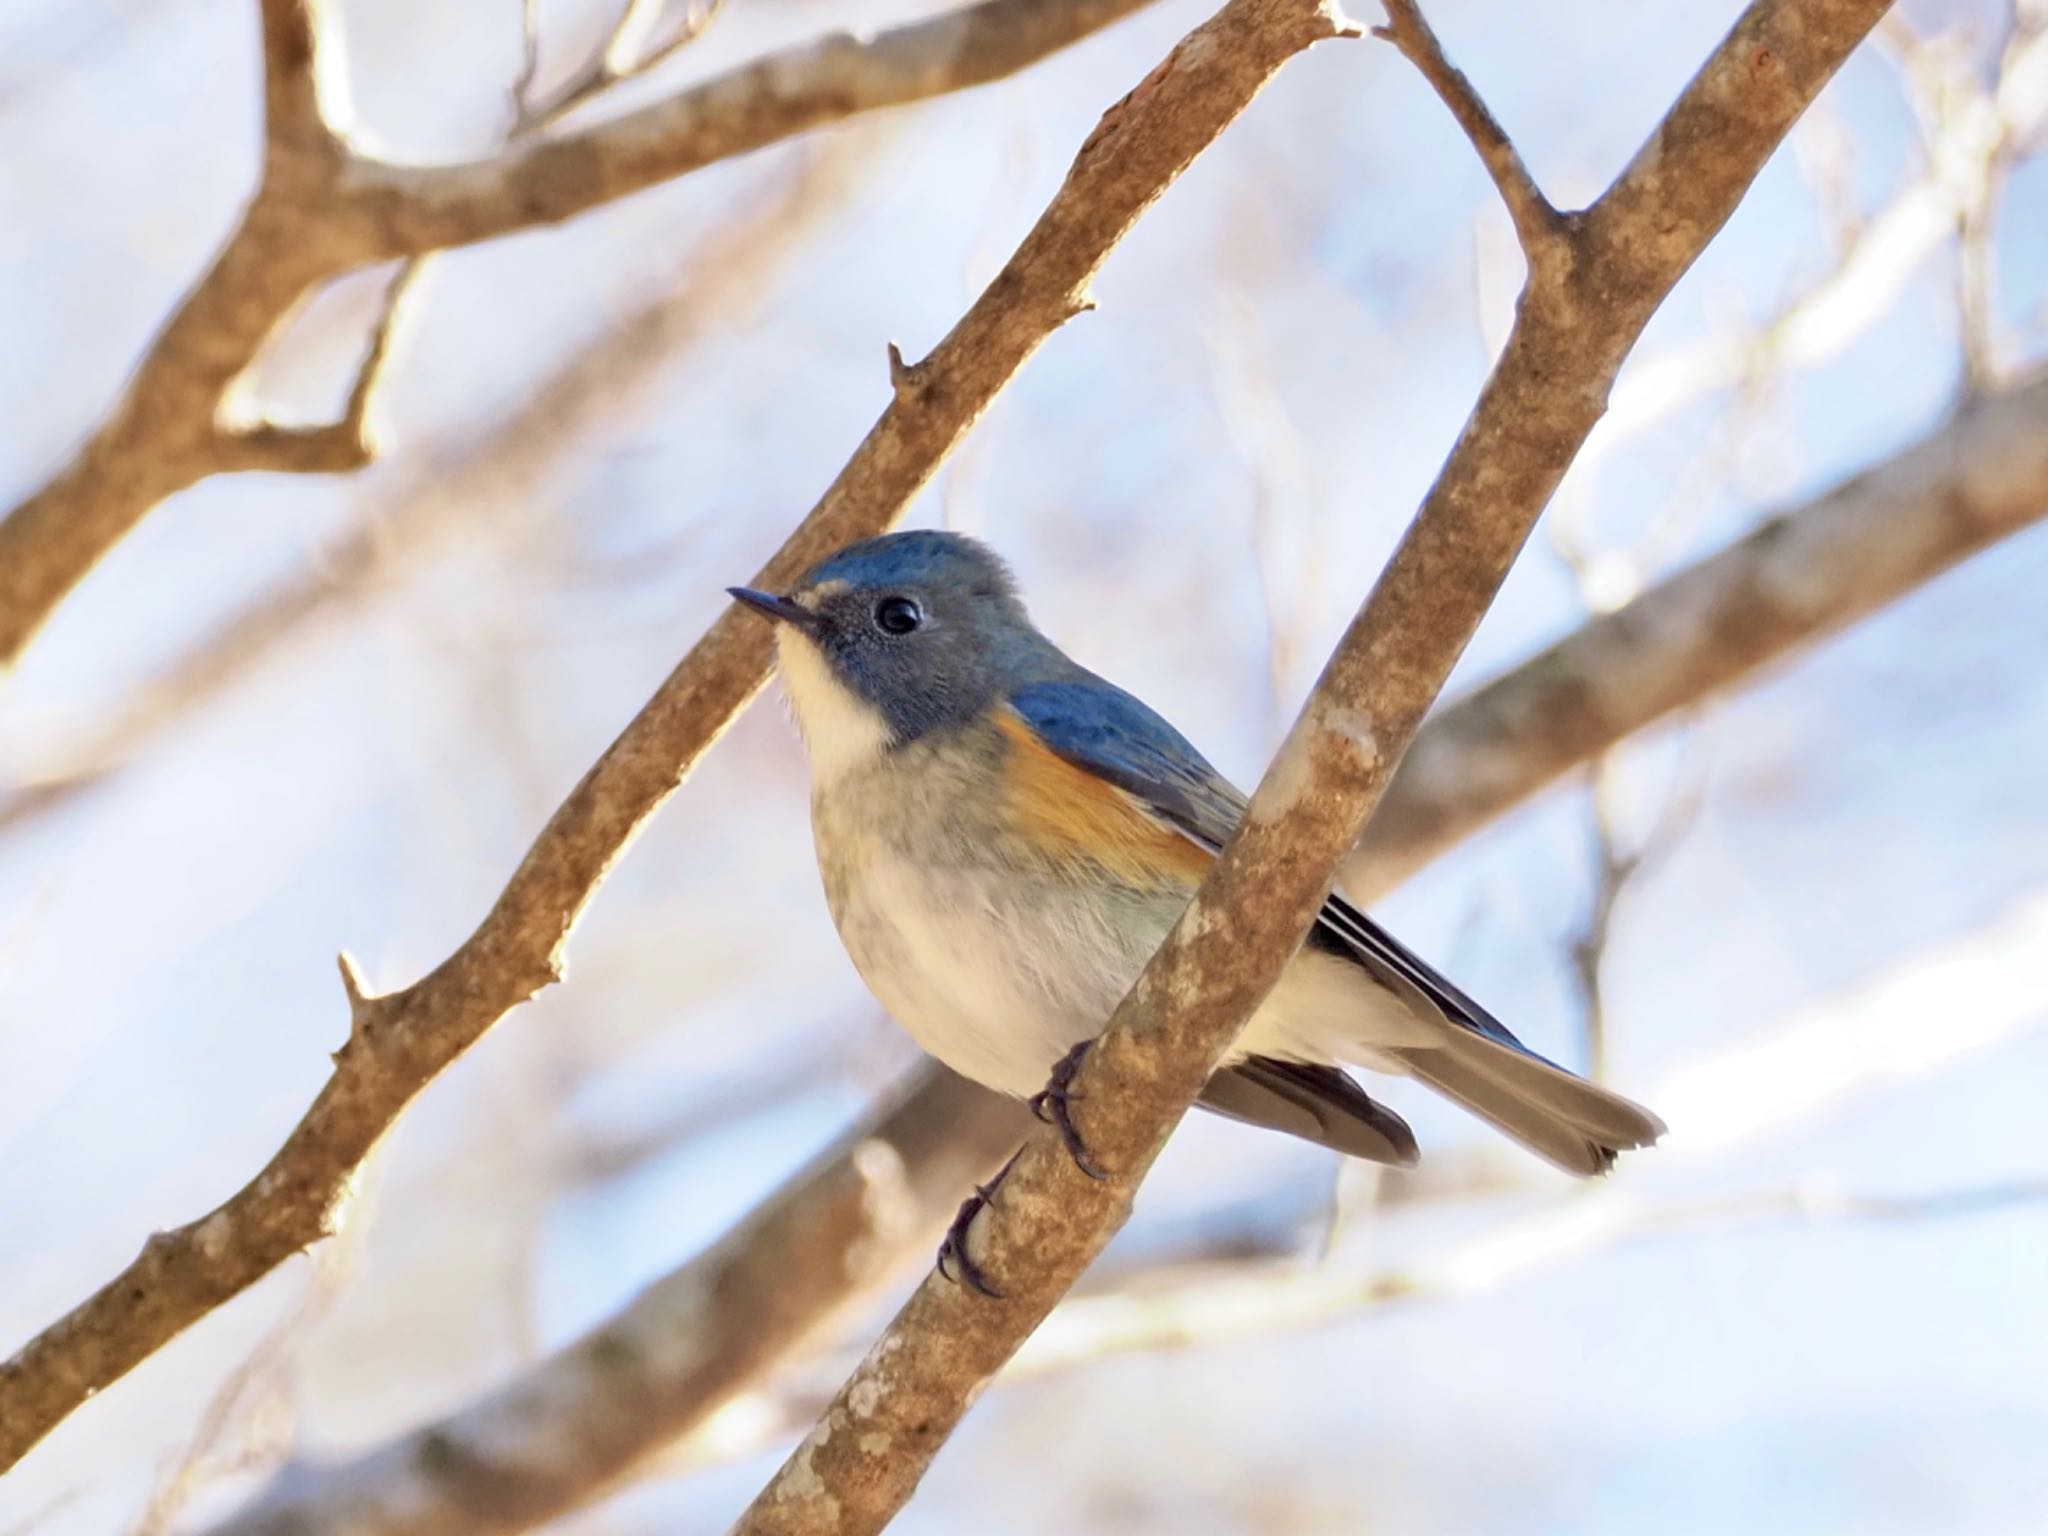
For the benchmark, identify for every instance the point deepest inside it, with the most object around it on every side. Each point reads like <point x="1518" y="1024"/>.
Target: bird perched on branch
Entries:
<point x="1005" y="839"/>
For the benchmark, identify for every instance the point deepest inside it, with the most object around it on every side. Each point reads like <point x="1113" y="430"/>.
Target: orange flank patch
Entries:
<point x="1071" y="815"/>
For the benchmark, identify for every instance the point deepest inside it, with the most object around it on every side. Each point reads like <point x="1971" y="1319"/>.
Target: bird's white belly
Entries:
<point x="996" y="977"/>
<point x="999" y="977"/>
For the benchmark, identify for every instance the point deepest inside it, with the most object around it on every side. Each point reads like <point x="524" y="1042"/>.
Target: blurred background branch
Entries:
<point x="324" y="207"/>
<point x="316" y="706"/>
<point x="1592" y="286"/>
<point x="594" y="395"/>
<point x="565" y="1431"/>
<point x="398" y="1042"/>
<point x="1799" y="575"/>
<point x="512" y="1438"/>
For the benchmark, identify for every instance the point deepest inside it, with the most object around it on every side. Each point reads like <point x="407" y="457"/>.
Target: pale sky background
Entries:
<point x="167" y="989"/>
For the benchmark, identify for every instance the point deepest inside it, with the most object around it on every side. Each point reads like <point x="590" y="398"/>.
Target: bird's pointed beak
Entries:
<point x="775" y="607"/>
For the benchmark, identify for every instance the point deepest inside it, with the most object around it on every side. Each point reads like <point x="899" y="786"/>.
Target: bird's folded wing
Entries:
<point x="1120" y="741"/>
<point x="1318" y="1104"/>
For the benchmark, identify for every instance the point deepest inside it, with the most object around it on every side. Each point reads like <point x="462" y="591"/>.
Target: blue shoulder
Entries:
<point x="1097" y="726"/>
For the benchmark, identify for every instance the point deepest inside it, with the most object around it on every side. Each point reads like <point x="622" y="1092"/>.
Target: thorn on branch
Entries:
<point x="1543" y="232"/>
<point x="907" y="379"/>
<point x="362" y="1004"/>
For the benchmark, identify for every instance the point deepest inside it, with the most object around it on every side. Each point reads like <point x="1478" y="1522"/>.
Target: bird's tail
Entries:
<point x="1563" y="1119"/>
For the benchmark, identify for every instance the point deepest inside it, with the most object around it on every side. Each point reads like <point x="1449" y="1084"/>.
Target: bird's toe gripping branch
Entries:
<point x="1051" y="1106"/>
<point x="955" y="1263"/>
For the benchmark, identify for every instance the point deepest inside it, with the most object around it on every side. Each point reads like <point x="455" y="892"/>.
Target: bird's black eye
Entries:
<point x="897" y="616"/>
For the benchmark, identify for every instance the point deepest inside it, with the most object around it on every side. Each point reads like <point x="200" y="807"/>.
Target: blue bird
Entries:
<point x="1005" y="838"/>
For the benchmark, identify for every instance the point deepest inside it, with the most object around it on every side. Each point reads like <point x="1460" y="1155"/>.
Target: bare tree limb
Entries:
<point x="1991" y="459"/>
<point x="1576" y="323"/>
<point x="293" y="127"/>
<point x="1539" y="227"/>
<point x="558" y="1434"/>
<point x="349" y="443"/>
<point x="165" y="434"/>
<point x="399" y="1042"/>
<point x="398" y="210"/>
<point x="1978" y="478"/>
<point x="1875" y="264"/>
<point x="321" y="210"/>
<point x="720" y="276"/>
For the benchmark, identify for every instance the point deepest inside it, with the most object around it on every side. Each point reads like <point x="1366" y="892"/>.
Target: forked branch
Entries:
<point x="869" y="1450"/>
<point x="1542" y="230"/>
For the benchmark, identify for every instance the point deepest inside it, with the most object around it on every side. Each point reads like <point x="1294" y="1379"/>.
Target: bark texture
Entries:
<point x="1594" y="280"/>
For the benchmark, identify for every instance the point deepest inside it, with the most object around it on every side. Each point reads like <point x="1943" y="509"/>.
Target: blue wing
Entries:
<point x="1097" y="726"/>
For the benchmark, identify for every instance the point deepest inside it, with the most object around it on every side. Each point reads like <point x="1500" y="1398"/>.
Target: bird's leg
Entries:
<point x="1050" y="1105"/>
<point x="953" y="1251"/>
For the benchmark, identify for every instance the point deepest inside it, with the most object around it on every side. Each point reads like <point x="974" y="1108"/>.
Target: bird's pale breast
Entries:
<point x="994" y="954"/>
<point x="999" y="902"/>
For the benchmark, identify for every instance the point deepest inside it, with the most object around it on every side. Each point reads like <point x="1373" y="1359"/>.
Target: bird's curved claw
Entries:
<point x="953" y="1261"/>
<point x="1050" y="1106"/>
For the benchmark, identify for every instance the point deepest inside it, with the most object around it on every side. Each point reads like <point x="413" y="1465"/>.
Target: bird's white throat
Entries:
<point x="842" y="730"/>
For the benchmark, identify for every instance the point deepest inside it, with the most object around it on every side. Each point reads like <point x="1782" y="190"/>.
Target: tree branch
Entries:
<point x="718" y="278"/>
<point x="404" y="210"/>
<point x="401" y="1041"/>
<point x="1540" y="228"/>
<point x="349" y="443"/>
<point x="292" y="122"/>
<point x="1978" y="478"/>
<point x="562" y="1431"/>
<point x="321" y="210"/>
<point x="868" y="1452"/>
<point x="165" y="433"/>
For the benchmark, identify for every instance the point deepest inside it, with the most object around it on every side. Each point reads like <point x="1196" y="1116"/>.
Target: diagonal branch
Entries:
<point x="592" y="394"/>
<point x="399" y="1042"/>
<point x="164" y="432"/>
<point x="404" y="210"/>
<point x="564" y="1431"/>
<point x="865" y="1457"/>
<point x="292" y="122"/>
<point x="321" y="210"/>
<point x="1542" y="230"/>
<point x="1980" y="476"/>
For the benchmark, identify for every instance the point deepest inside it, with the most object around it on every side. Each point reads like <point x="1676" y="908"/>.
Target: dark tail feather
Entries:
<point x="1318" y="1104"/>
<point x="1563" y="1119"/>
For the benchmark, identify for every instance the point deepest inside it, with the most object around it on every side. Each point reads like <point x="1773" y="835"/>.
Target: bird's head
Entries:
<point x="894" y="637"/>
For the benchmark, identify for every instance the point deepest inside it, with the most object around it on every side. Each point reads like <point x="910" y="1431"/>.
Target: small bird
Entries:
<point x="1005" y="838"/>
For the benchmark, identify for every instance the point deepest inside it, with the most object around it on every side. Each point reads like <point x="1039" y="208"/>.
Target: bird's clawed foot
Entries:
<point x="1050" y="1106"/>
<point x="954" y="1262"/>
